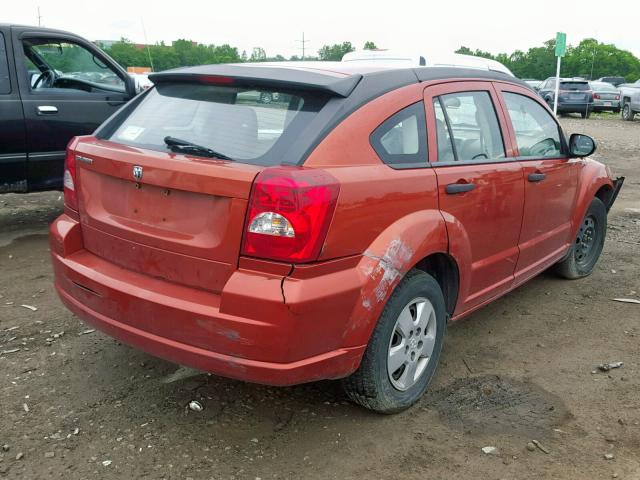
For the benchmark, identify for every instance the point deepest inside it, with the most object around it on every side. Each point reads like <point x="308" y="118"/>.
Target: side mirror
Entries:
<point x="130" y="86"/>
<point x="581" y="145"/>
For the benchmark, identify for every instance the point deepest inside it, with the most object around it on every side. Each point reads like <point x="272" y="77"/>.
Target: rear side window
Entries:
<point x="244" y="124"/>
<point x="401" y="140"/>
<point x="537" y="133"/>
<point x="5" y="84"/>
<point x="473" y="127"/>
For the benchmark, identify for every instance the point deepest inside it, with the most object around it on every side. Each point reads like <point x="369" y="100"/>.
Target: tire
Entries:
<point x="581" y="260"/>
<point x="627" y="113"/>
<point x="372" y="385"/>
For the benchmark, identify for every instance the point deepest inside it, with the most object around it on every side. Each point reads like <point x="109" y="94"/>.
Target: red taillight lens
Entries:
<point x="289" y="213"/>
<point x="596" y="96"/>
<point x="617" y="97"/>
<point x="70" y="179"/>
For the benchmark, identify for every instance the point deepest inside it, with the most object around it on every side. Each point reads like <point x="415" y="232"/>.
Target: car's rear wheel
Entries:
<point x="587" y="246"/>
<point x="627" y="113"/>
<point x="404" y="348"/>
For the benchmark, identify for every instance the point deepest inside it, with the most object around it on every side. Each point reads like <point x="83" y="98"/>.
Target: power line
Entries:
<point x="303" y="42"/>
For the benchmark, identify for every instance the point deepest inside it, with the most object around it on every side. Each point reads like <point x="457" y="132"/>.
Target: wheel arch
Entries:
<point x="444" y="269"/>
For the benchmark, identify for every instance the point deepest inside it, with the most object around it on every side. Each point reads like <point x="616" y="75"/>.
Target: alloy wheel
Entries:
<point x="412" y="343"/>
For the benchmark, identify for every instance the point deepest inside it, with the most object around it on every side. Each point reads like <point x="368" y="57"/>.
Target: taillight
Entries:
<point x="617" y="97"/>
<point x="70" y="180"/>
<point x="289" y="213"/>
<point x="596" y="96"/>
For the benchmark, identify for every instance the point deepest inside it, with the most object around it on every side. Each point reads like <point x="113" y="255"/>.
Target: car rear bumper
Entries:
<point x="574" y="107"/>
<point x="602" y="105"/>
<point x="270" y="344"/>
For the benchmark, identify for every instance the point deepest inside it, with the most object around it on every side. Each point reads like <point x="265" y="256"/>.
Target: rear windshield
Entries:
<point x="603" y="87"/>
<point x="574" y="86"/>
<point x="244" y="124"/>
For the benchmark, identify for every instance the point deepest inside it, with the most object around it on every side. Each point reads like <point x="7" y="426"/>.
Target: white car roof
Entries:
<point x="397" y="58"/>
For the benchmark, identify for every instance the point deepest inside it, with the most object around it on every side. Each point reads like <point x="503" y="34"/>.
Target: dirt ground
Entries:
<point x="75" y="404"/>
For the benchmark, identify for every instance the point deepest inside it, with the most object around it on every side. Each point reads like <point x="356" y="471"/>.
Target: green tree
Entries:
<point x="335" y="52"/>
<point x="589" y="59"/>
<point x="258" y="55"/>
<point x="370" y="46"/>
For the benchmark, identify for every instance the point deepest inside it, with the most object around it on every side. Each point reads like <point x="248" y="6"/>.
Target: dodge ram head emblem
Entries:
<point x="137" y="172"/>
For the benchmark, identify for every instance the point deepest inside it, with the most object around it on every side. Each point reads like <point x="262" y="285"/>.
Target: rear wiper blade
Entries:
<point x="183" y="146"/>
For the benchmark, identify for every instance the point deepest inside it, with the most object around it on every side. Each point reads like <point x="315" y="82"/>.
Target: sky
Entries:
<point x="428" y="27"/>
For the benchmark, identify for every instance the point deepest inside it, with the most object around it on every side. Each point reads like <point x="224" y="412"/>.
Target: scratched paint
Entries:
<point x="386" y="273"/>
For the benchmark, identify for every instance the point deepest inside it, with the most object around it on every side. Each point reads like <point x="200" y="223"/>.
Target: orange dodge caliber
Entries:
<point x="286" y="223"/>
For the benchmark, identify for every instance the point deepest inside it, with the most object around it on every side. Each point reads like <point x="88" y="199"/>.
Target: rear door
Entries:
<point x="480" y="186"/>
<point x="68" y="87"/>
<point x="550" y="181"/>
<point x="13" y="154"/>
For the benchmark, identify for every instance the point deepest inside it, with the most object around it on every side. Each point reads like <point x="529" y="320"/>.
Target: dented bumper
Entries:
<point x="264" y="327"/>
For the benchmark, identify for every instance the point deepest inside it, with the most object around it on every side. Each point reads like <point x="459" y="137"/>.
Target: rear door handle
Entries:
<point x="454" y="188"/>
<point x="47" y="110"/>
<point x="536" y="177"/>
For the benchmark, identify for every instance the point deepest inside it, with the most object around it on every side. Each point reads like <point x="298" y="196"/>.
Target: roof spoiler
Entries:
<point x="256" y="76"/>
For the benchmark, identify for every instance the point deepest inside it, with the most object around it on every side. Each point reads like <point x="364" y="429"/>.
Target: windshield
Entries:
<point x="582" y="86"/>
<point x="241" y="123"/>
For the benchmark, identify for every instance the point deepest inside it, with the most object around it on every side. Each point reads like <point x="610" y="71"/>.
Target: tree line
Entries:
<point x="589" y="59"/>
<point x="182" y="53"/>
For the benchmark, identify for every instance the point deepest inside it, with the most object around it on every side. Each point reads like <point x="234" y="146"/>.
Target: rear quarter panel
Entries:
<point x="387" y="218"/>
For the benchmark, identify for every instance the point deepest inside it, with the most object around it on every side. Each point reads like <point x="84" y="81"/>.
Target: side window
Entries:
<point x="473" y="126"/>
<point x="537" y="133"/>
<point x="51" y="63"/>
<point x="5" y="84"/>
<point x="402" y="139"/>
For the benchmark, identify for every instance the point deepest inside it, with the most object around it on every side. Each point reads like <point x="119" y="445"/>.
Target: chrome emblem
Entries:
<point x="137" y="172"/>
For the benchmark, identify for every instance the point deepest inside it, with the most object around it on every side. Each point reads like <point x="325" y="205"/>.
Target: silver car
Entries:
<point x="606" y="97"/>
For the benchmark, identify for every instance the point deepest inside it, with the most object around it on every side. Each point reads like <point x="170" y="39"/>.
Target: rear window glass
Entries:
<point x="241" y="123"/>
<point x="5" y="86"/>
<point x="574" y="86"/>
<point x="603" y="87"/>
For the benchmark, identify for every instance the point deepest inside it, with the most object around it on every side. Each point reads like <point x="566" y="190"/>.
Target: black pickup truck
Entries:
<point x="53" y="85"/>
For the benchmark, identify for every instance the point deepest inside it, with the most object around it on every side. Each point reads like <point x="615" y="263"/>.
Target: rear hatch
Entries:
<point x="575" y="92"/>
<point x="178" y="214"/>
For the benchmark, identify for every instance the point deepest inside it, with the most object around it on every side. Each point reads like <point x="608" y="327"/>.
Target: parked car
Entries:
<point x="615" y="81"/>
<point x="393" y="200"/>
<point x="535" y="84"/>
<point x="574" y="95"/>
<point x="53" y="85"/>
<point x="606" y="97"/>
<point x="630" y="99"/>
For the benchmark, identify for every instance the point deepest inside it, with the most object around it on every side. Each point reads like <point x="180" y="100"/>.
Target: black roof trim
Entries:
<point x="257" y="76"/>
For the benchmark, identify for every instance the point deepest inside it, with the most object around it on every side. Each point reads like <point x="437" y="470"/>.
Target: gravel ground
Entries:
<point x="75" y="404"/>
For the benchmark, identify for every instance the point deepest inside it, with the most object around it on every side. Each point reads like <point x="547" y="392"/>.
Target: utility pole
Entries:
<point x="303" y="42"/>
<point x="39" y="18"/>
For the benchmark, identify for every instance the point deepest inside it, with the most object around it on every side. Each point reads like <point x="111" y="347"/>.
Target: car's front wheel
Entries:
<point x="587" y="246"/>
<point x="404" y="348"/>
